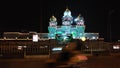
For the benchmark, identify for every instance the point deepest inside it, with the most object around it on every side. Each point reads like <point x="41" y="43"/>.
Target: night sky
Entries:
<point x="34" y="15"/>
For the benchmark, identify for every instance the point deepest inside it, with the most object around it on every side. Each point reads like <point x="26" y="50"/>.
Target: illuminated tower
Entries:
<point x="80" y="26"/>
<point x="52" y="27"/>
<point x="67" y="29"/>
<point x="67" y="19"/>
<point x="79" y="20"/>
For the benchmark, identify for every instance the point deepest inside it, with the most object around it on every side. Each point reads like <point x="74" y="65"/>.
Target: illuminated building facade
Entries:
<point x="33" y="43"/>
<point x="69" y="27"/>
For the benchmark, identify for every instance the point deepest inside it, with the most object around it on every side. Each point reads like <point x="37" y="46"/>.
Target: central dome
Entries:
<point x="67" y="12"/>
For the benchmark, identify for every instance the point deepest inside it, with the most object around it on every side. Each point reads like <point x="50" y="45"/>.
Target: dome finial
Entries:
<point x="79" y="15"/>
<point x="66" y="7"/>
<point x="53" y="18"/>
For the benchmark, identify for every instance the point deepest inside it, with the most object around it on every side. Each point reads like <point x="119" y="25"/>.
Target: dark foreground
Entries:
<point x="39" y="62"/>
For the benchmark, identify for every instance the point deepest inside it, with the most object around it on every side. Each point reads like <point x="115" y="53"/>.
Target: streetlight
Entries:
<point x="109" y="23"/>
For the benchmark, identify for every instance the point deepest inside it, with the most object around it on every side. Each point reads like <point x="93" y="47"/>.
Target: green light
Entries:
<point x="59" y="32"/>
<point x="74" y="34"/>
<point x="59" y="37"/>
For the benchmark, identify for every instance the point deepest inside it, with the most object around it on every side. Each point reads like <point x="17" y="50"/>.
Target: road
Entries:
<point x="36" y="62"/>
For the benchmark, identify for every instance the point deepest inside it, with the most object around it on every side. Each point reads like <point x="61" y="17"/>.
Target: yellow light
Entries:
<point x="83" y="38"/>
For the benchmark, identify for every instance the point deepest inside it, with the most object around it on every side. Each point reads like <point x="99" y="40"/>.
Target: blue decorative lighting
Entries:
<point x="76" y="31"/>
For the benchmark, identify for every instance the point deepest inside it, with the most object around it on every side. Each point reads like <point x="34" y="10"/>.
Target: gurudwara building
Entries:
<point x="70" y="27"/>
<point x="23" y="44"/>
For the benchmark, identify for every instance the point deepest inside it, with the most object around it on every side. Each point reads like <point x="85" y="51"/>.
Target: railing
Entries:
<point x="44" y="47"/>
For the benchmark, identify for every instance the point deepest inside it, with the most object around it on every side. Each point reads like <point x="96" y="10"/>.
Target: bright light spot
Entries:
<point x="97" y="38"/>
<point x="25" y="46"/>
<point x="83" y="38"/>
<point x="16" y="38"/>
<point x="35" y="38"/>
<point x="93" y="37"/>
<point x="116" y="47"/>
<point x="75" y="19"/>
<point x="57" y="49"/>
<point x="27" y="37"/>
<point x="19" y="47"/>
<point x="65" y="38"/>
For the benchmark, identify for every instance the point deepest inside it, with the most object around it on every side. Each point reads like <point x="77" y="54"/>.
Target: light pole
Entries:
<point x="109" y="24"/>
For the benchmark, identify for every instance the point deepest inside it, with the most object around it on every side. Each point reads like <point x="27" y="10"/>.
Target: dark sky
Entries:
<point x="26" y="15"/>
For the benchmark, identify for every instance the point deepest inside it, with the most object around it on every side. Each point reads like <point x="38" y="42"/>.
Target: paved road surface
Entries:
<point x="93" y="62"/>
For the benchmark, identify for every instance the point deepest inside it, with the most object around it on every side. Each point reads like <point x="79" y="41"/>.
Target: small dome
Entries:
<point x="78" y="18"/>
<point x="53" y="18"/>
